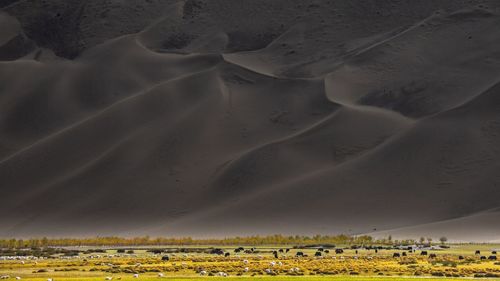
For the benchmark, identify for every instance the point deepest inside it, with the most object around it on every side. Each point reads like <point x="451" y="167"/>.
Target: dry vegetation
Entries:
<point x="458" y="261"/>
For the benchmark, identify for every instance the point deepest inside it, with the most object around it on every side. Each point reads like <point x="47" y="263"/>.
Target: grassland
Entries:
<point x="190" y="263"/>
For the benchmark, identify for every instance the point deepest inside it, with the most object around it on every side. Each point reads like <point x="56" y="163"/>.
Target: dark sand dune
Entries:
<point x="435" y="170"/>
<point x="460" y="229"/>
<point x="239" y="117"/>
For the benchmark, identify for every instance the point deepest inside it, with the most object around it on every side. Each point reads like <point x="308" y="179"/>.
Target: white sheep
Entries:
<point x="203" y="272"/>
<point x="161" y="275"/>
<point x="108" y="278"/>
<point x="136" y="275"/>
<point x="18" y="278"/>
<point x="222" y="274"/>
<point x="246" y="269"/>
<point x="245" y="261"/>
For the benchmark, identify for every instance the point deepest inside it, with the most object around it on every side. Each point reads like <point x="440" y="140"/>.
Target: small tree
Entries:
<point x="429" y="240"/>
<point x="422" y="240"/>
<point x="443" y="239"/>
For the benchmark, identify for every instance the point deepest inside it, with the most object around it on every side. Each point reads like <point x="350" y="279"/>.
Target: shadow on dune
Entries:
<point x="245" y="117"/>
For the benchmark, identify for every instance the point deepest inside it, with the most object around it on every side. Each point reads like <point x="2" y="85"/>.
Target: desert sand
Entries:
<point x="210" y="118"/>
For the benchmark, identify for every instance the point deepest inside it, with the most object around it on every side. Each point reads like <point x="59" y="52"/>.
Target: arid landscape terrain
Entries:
<point x="239" y="117"/>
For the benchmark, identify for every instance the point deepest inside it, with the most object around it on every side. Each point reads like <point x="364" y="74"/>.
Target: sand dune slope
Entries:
<point x="238" y="117"/>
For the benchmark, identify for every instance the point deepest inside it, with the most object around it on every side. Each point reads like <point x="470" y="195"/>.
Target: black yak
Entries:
<point x="217" y="251"/>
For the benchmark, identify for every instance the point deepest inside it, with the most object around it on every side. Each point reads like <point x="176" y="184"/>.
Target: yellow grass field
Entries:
<point x="261" y="265"/>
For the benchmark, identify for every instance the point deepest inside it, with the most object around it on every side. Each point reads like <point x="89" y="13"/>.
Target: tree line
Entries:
<point x="188" y="241"/>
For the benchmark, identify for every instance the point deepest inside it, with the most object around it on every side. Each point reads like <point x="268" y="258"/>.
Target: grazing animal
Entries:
<point x="18" y="278"/>
<point x="493" y="258"/>
<point x="248" y="251"/>
<point x="287" y="250"/>
<point x="460" y="257"/>
<point x="321" y="249"/>
<point x="432" y="256"/>
<point x="376" y="251"/>
<point x="299" y="254"/>
<point x="165" y="258"/>
<point x="50" y="279"/>
<point x="227" y="255"/>
<point x="356" y="252"/>
<point x="161" y="275"/>
<point x="423" y="253"/>
<point x="217" y="251"/>
<point x="478" y="252"/>
<point x="136" y="275"/>
<point x="275" y="254"/>
<point x="327" y="251"/>
<point x="203" y="272"/>
<point x="483" y="257"/>
<point x="108" y="278"/>
<point x="339" y="251"/>
<point x="396" y="255"/>
<point x="404" y="254"/>
<point x="223" y="274"/>
<point x="246" y="269"/>
<point x="317" y="254"/>
<point x="4" y="277"/>
<point x="281" y="250"/>
<point x="493" y="252"/>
